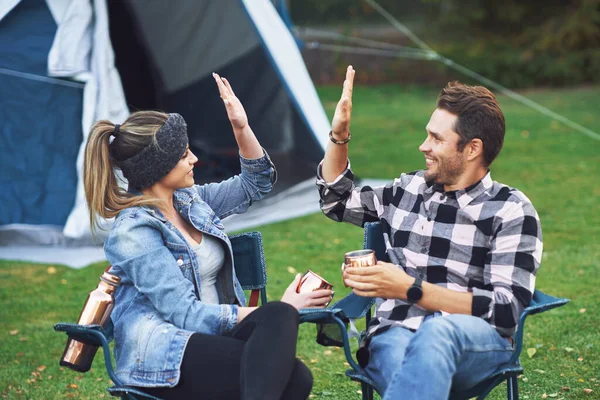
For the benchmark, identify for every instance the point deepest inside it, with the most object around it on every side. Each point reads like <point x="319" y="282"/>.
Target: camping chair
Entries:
<point x="331" y="330"/>
<point x="251" y="271"/>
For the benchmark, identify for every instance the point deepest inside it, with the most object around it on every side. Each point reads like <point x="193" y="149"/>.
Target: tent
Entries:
<point x="66" y="63"/>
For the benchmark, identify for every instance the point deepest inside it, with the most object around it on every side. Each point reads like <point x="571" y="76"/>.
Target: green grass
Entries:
<point x="555" y="166"/>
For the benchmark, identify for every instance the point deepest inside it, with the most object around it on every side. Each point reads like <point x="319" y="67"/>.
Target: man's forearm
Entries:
<point x="336" y="159"/>
<point x="437" y="298"/>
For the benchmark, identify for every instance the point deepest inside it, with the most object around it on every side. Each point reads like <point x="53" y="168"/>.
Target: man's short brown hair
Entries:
<point x="479" y="116"/>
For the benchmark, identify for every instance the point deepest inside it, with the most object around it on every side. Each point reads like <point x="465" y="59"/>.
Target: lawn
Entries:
<point x="557" y="167"/>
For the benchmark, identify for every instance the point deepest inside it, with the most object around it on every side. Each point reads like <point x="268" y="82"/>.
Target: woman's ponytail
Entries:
<point x="105" y="198"/>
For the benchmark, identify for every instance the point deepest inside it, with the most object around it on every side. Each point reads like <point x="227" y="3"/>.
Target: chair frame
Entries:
<point x="355" y="307"/>
<point x="248" y="254"/>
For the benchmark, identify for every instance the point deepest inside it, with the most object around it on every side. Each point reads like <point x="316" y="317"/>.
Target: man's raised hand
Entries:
<point x="343" y="112"/>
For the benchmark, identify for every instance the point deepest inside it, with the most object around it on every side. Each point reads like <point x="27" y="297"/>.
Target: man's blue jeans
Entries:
<point x="452" y="351"/>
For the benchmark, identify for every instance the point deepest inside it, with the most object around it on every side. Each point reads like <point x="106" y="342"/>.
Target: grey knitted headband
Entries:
<point x="156" y="160"/>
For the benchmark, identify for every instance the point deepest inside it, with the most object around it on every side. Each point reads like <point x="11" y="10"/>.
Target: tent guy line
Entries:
<point x="427" y="53"/>
<point x="40" y="78"/>
<point x="515" y="96"/>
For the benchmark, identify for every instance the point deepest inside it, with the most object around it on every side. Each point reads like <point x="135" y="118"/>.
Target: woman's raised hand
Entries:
<point x="340" y="125"/>
<point x="235" y="110"/>
<point x="317" y="299"/>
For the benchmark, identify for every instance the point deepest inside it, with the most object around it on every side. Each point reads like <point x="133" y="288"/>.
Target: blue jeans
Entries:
<point x="453" y="351"/>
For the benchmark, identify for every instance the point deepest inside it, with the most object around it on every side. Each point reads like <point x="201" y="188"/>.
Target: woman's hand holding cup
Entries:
<point x="319" y="298"/>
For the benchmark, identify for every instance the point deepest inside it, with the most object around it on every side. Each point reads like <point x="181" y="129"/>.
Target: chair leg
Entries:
<point x="512" y="386"/>
<point x="367" y="391"/>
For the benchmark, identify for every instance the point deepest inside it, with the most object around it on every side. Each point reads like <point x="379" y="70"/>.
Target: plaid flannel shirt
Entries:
<point x="485" y="239"/>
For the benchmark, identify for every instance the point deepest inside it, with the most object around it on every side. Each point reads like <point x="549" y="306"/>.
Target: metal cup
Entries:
<point x="311" y="282"/>
<point x="359" y="258"/>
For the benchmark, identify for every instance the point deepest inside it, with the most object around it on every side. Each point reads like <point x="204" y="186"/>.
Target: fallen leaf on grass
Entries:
<point x="72" y="386"/>
<point x="14" y="332"/>
<point x="291" y="270"/>
<point x="587" y="391"/>
<point x="541" y="371"/>
<point x="531" y="351"/>
<point x="580" y="359"/>
<point x="582" y="310"/>
<point x="41" y="368"/>
<point x="23" y="339"/>
<point x="51" y="270"/>
<point x="569" y="349"/>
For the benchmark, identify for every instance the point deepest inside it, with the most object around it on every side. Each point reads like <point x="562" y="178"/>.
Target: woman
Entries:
<point x="180" y="327"/>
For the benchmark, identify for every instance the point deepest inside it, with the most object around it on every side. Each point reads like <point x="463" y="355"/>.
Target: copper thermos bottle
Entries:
<point x="96" y="310"/>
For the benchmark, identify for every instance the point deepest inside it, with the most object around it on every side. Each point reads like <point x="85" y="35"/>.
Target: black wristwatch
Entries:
<point x="415" y="291"/>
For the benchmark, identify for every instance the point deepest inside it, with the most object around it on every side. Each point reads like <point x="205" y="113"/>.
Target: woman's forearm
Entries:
<point x="244" y="311"/>
<point x="248" y="144"/>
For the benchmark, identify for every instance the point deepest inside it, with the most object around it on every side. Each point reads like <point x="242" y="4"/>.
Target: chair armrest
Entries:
<point x="355" y="306"/>
<point x="352" y="306"/>
<point x="85" y="333"/>
<point x="321" y="315"/>
<point x="542" y="302"/>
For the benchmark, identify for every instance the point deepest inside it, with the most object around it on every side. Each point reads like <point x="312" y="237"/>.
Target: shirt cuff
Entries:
<point x="482" y="303"/>
<point x="321" y="181"/>
<point x="230" y="317"/>
<point x="257" y="164"/>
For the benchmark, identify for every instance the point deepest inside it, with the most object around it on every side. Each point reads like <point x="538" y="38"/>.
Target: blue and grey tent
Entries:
<point x="66" y="63"/>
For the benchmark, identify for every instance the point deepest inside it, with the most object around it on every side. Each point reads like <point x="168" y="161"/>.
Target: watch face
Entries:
<point x="414" y="294"/>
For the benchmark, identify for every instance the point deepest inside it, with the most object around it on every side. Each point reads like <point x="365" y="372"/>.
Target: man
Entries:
<point x="464" y="250"/>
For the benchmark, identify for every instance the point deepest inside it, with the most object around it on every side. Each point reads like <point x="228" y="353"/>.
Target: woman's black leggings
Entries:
<point x="256" y="360"/>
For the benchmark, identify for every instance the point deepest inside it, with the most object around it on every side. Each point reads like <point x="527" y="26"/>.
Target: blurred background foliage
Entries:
<point x="517" y="43"/>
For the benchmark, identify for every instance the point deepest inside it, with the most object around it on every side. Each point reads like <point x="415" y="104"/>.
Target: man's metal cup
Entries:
<point x="359" y="258"/>
<point x="311" y="282"/>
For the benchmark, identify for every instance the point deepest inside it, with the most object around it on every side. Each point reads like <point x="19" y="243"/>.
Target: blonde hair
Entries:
<point x="104" y="197"/>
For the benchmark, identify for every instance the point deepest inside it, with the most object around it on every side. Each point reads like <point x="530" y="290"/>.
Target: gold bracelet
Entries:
<point x="339" y="141"/>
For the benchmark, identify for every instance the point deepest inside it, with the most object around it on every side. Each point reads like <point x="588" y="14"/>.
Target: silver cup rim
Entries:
<point x="359" y="253"/>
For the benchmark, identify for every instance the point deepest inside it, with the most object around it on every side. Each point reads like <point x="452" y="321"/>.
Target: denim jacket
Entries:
<point x="157" y="306"/>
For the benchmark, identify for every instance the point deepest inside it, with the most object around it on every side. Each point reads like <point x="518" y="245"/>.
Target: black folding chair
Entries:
<point x="332" y="330"/>
<point x="251" y="271"/>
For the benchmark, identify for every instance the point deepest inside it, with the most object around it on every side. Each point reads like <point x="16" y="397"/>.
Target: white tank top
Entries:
<point x="211" y="257"/>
